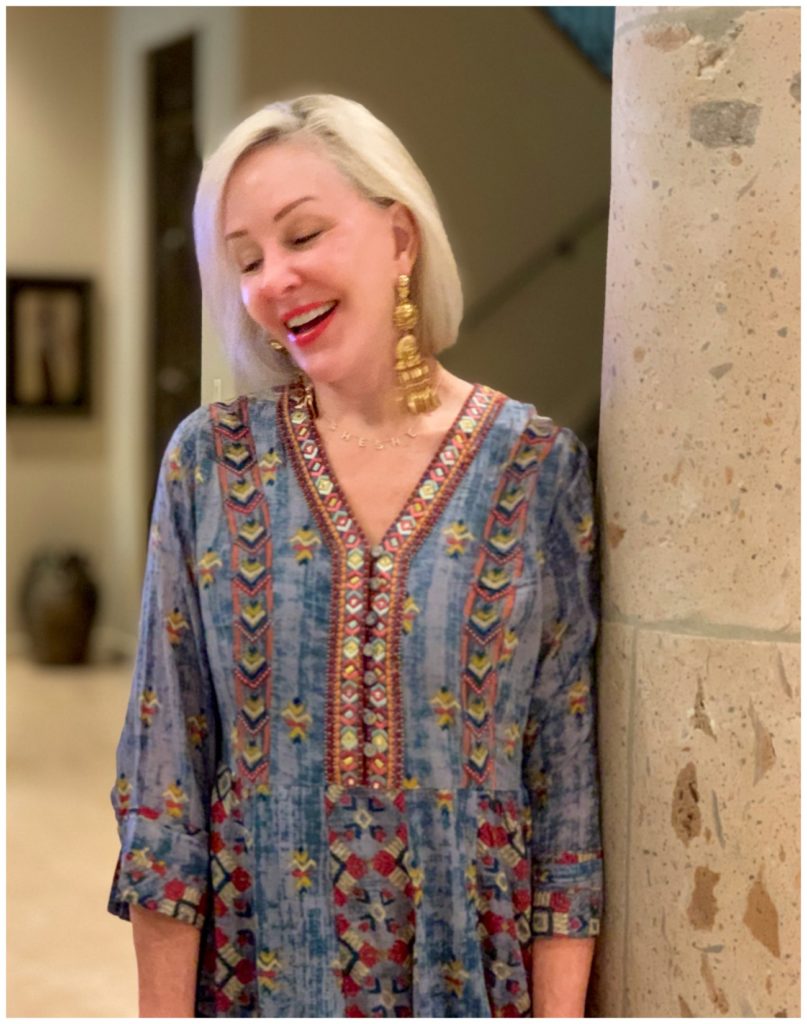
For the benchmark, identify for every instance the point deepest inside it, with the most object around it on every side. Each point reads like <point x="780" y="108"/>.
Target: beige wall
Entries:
<point x="77" y="205"/>
<point x="56" y="220"/>
<point x="511" y="129"/>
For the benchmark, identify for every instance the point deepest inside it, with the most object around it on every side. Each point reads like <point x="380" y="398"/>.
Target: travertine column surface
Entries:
<point x="698" y="489"/>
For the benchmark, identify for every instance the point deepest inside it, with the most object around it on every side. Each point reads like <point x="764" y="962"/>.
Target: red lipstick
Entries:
<point x="306" y="334"/>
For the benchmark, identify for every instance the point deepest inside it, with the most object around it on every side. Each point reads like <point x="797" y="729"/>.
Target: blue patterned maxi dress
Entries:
<point x="368" y="774"/>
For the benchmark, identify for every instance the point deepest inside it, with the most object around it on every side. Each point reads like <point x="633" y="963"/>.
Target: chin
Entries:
<point x="328" y="365"/>
<point x="322" y="369"/>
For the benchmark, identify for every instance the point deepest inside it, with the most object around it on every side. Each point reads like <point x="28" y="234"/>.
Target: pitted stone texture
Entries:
<point x="699" y="440"/>
<point x="614" y="675"/>
<point x="714" y="910"/>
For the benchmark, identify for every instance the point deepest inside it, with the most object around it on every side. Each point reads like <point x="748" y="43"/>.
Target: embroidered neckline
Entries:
<point x="307" y="440"/>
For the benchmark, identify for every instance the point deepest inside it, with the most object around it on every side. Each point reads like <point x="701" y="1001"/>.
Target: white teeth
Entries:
<point x="298" y="321"/>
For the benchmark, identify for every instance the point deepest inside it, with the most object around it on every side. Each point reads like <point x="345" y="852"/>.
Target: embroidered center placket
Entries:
<point x="376" y="696"/>
<point x="364" y="715"/>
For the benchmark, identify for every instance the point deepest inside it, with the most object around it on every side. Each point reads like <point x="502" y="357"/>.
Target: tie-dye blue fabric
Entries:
<point x="368" y="774"/>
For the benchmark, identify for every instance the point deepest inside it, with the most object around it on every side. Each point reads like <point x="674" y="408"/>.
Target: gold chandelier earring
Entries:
<point x="414" y="375"/>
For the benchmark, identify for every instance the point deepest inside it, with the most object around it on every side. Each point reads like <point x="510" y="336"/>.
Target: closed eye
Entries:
<point x="306" y="238"/>
<point x="249" y="267"/>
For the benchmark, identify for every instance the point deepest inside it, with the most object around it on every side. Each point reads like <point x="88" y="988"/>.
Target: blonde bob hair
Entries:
<point x="374" y="160"/>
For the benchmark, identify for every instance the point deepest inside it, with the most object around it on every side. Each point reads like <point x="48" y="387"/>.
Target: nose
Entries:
<point x="276" y="278"/>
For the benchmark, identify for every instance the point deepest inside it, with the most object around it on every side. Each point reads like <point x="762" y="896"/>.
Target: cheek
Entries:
<point x="246" y="295"/>
<point x="250" y="300"/>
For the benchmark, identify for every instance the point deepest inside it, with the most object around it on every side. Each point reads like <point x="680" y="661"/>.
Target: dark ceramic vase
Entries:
<point x="59" y="600"/>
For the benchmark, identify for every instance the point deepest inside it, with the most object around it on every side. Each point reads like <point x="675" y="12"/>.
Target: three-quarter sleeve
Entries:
<point x="166" y="753"/>
<point x="560" y="748"/>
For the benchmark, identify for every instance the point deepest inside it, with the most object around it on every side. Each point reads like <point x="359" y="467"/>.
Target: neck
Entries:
<point x="371" y="402"/>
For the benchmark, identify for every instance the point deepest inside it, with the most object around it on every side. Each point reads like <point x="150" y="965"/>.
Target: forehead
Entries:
<point x="274" y="175"/>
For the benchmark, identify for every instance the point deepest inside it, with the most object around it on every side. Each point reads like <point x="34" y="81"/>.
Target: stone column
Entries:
<point x="699" y="505"/>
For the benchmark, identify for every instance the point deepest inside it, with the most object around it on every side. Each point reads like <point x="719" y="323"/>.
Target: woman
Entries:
<point x="357" y="775"/>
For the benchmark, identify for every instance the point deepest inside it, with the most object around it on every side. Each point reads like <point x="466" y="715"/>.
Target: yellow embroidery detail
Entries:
<point x="297" y="720"/>
<point x="253" y="614"/>
<point x="477" y="710"/>
<point x="479" y="664"/>
<point x="556" y="636"/>
<point x="269" y="966"/>
<point x="302" y="866"/>
<point x="445" y="800"/>
<point x="251" y="569"/>
<point x="416" y="877"/>
<point x="252" y="753"/>
<point x="585" y="534"/>
<point x="455" y="976"/>
<point x="578" y="697"/>
<point x="304" y="542"/>
<point x="511" y="737"/>
<point x="207" y="566"/>
<point x="175" y="625"/>
<point x="174" y="797"/>
<point x="148" y="705"/>
<point x="479" y="756"/>
<point x="539" y="785"/>
<point x="229" y="419"/>
<point x="269" y="465"/>
<point x="471" y="884"/>
<point x="445" y="706"/>
<point x="252" y="660"/>
<point x="254" y="706"/>
<point x="241" y="491"/>
<point x="123" y="790"/>
<point x="410" y="613"/>
<point x="250" y="531"/>
<point x="509" y="645"/>
<point x="197" y="729"/>
<point x="143" y="859"/>
<point x="458" y="538"/>
<point x="175" y="470"/>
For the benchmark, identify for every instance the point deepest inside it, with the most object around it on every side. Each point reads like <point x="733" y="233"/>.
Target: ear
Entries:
<point x="406" y="238"/>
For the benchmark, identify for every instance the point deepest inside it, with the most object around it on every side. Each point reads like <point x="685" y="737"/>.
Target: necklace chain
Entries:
<point x="393" y="441"/>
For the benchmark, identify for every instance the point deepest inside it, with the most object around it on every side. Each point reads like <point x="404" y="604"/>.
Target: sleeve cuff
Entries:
<point x="162" y="870"/>
<point x="567" y="896"/>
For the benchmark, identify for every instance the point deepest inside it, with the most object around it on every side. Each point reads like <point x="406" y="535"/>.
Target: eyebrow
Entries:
<point x="278" y="216"/>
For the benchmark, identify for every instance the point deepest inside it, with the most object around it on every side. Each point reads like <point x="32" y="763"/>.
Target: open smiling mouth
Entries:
<point x="309" y="322"/>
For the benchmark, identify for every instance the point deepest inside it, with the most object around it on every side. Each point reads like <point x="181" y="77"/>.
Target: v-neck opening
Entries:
<point x="477" y="392"/>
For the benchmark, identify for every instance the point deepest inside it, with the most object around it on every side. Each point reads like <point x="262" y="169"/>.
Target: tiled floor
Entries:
<point x="66" y="956"/>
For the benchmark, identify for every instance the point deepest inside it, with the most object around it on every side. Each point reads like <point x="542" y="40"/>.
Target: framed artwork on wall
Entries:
<point x="48" y="345"/>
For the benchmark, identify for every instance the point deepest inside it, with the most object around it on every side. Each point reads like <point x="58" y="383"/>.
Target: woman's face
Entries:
<point x="318" y="262"/>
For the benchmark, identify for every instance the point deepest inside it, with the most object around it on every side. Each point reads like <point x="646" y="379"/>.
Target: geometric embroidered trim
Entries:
<point x="490" y="599"/>
<point x="247" y="514"/>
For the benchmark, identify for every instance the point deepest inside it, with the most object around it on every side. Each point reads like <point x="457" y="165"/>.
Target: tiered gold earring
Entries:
<point x="414" y="375"/>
